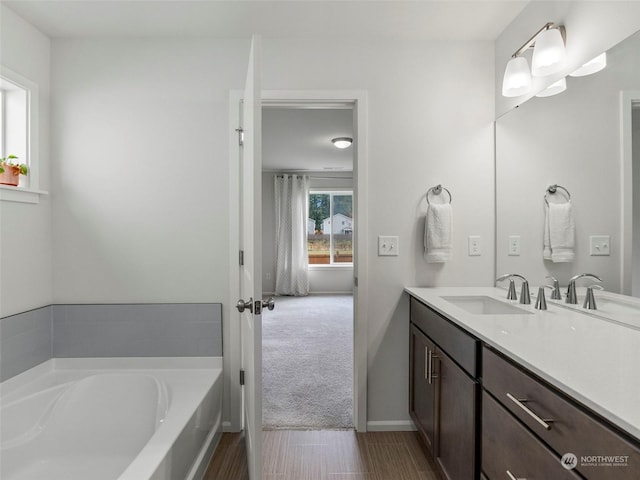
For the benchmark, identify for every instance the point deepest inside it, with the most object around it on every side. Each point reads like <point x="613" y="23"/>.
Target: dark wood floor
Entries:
<point x="326" y="455"/>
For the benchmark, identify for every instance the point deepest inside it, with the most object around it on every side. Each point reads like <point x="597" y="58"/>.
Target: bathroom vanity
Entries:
<point x="500" y="390"/>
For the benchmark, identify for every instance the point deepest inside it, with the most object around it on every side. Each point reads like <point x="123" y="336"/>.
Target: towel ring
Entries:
<point x="437" y="190"/>
<point x="552" y="189"/>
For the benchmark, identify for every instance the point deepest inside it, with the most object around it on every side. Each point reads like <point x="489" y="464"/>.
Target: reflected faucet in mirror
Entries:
<point x="572" y="297"/>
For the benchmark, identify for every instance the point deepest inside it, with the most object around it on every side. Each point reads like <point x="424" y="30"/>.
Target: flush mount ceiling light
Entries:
<point x="549" y="56"/>
<point x="342" y="142"/>
<point x="592" y="66"/>
<point x="554" y="89"/>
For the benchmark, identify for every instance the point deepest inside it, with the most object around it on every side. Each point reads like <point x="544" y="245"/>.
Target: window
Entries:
<point x="330" y="228"/>
<point x="19" y="122"/>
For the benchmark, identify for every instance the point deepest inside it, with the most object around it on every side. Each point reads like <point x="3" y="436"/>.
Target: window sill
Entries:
<point x="326" y="266"/>
<point x="19" y="194"/>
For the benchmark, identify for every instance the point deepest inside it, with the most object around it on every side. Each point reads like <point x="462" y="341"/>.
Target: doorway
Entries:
<point x="308" y="340"/>
<point x="294" y="98"/>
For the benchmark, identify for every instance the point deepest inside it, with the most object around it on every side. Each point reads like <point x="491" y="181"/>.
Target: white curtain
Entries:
<point x="292" y="212"/>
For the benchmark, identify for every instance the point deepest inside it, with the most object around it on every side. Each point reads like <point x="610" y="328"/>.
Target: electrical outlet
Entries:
<point x="599" y="245"/>
<point x="514" y="245"/>
<point x="388" y="245"/>
<point x="474" y="245"/>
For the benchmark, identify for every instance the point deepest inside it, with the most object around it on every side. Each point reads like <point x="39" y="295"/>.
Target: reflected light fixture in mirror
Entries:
<point x="592" y="66"/>
<point x="342" y="142"/>
<point x="554" y="89"/>
<point x="549" y="56"/>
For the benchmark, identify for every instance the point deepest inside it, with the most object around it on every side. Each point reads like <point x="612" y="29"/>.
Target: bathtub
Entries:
<point x="111" y="419"/>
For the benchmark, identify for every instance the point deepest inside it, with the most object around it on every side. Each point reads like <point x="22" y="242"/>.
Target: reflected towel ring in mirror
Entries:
<point x="437" y="190"/>
<point x="552" y="189"/>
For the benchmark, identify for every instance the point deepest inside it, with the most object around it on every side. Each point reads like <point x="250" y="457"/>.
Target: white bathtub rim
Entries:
<point x="154" y="452"/>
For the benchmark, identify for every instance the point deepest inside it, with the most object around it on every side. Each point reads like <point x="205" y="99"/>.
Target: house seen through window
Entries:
<point x="330" y="228"/>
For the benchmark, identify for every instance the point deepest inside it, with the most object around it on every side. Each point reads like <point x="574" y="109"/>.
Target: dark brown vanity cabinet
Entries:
<point x="521" y="413"/>
<point x="443" y="391"/>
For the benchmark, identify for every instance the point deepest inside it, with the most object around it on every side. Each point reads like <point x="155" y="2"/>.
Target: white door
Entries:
<point x="250" y="303"/>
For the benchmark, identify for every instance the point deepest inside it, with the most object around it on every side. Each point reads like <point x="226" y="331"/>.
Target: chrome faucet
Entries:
<point x="525" y="296"/>
<point x="572" y="297"/>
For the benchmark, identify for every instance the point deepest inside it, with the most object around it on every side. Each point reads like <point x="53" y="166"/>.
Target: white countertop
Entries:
<point x="595" y="361"/>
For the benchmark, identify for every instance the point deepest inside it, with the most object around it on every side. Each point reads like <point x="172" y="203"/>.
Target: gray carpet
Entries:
<point x="307" y="355"/>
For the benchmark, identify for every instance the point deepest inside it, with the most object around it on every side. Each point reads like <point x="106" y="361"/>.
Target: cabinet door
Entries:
<point x="456" y="452"/>
<point x="422" y="387"/>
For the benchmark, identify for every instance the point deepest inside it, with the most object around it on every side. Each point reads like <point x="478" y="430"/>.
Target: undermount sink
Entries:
<point x="483" y="305"/>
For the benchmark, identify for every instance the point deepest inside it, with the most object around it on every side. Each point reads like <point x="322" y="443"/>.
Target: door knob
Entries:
<point x="242" y="305"/>
<point x="269" y="304"/>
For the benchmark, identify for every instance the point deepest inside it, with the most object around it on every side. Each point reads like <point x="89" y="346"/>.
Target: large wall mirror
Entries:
<point x="584" y="139"/>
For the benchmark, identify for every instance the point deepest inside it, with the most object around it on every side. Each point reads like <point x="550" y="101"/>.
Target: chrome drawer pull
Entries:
<point x="513" y="477"/>
<point x="521" y="403"/>
<point x="427" y="364"/>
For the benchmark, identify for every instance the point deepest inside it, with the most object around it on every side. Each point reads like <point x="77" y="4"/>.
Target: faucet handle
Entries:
<point x="590" y="299"/>
<point x="511" y="293"/>
<point x="541" y="301"/>
<point x="525" y="296"/>
<point x="555" y="294"/>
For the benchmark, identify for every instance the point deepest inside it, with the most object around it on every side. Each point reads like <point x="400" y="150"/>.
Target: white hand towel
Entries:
<point x="438" y="233"/>
<point x="562" y="232"/>
<point x="546" y="241"/>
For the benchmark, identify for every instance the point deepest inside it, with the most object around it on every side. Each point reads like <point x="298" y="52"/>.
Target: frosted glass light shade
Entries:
<point x="592" y="66"/>
<point x="554" y="89"/>
<point x="549" y="54"/>
<point x="517" y="78"/>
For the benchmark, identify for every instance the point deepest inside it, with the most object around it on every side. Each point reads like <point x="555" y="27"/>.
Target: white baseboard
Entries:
<point x="226" y="427"/>
<point x="391" y="426"/>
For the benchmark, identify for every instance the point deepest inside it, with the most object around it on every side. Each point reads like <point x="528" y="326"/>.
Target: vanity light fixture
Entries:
<point x="554" y="89"/>
<point x="549" y="56"/>
<point x="517" y="78"/>
<point x="342" y="142"/>
<point x="592" y="66"/>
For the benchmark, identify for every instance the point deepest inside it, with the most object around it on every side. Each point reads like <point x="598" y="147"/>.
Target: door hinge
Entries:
<point x="241" y="377"/>
<point x="241" y="258"/>
<point x="240" y="136"/>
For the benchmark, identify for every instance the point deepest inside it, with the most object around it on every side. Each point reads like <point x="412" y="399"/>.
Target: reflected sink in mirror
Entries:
<point x="483" y="305"/>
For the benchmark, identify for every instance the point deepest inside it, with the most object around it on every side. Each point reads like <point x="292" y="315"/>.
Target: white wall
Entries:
<point x="25" y="229"/>
<point x="572" y="139"/>
<point x="153" y="109"/>
<point x="592" y="28"/>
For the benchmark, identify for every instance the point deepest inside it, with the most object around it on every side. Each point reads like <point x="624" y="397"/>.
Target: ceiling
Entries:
<point x="290" y="135"/>
<point x="415" y="19"/>
<point x="297" y="139"/>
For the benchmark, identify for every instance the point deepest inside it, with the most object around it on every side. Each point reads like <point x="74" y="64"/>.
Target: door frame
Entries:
<point x="629" y="99"/>
<point x="231" y="321"/>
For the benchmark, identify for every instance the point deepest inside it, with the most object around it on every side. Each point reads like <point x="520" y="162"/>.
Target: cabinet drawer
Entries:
<point x="571" y="429"/>
<point x="508" y="448"/>
<point x="460" y="346"/>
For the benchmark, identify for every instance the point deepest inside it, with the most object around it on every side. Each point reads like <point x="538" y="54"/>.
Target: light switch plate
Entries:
<point x="388" y="245"/>
<point x="599" y="245"/>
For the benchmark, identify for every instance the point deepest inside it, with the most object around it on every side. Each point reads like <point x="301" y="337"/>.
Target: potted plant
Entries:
<point x="11" y="170"/>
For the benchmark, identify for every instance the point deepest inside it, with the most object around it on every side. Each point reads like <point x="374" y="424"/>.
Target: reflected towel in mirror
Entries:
<point x="559" y="233"/>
